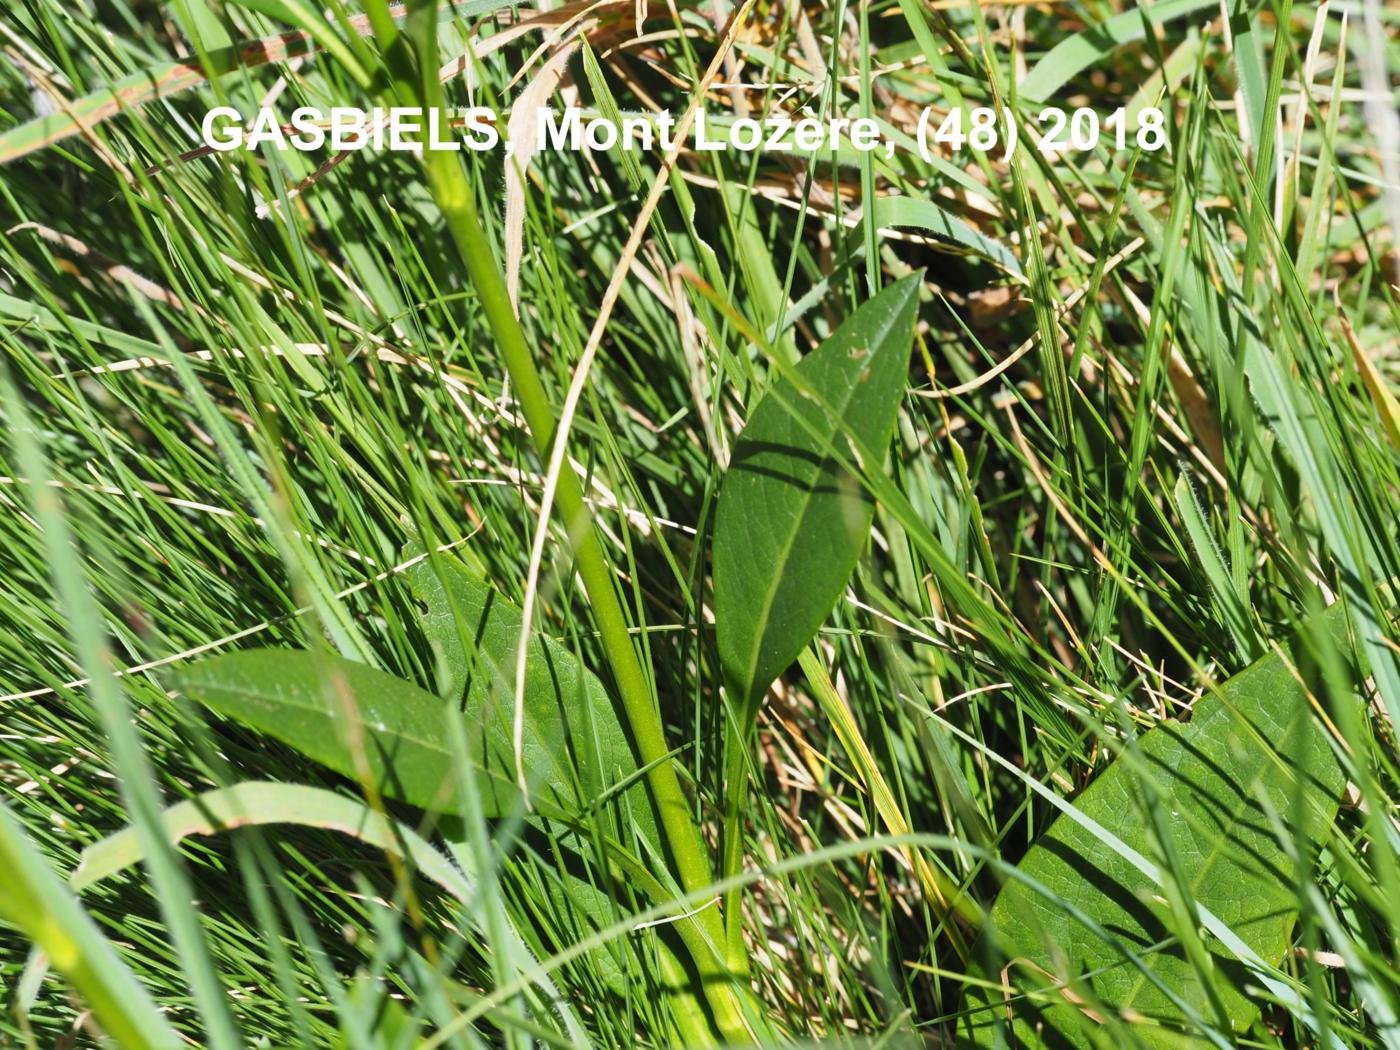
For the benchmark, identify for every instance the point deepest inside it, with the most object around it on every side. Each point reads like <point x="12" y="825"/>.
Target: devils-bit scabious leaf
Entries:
<point x="575" y="748"/>
<point x="573" y="736"/>
<point x="576" y="751"/>
<point x="313" y="702"/>
<point x="791" y="521"/>
<point x="1252" y="754"/>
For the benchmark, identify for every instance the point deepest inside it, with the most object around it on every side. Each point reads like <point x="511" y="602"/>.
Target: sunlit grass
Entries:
<point x="236" y="391"/>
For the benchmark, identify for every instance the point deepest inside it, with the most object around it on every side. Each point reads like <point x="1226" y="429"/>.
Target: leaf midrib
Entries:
<point x="1216" y="851"/>
<point x="270" y="697"/>
<point x="771" y="594"/>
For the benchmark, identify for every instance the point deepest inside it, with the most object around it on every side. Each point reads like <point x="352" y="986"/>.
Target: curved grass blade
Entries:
<point x="260" y="803"/>
<point x="1071" y="56"/>
<point x="1250" y="756"/>
<point x="926" y="215"/>
<point x="35" y="900"/>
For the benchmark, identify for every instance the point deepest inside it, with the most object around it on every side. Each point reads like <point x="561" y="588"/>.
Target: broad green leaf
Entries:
<point x="575" y="747"/>
<point x="346" y="716"/>
<point x="791" y="520"/>
<point x="469" y="626"/>
<point x="342" y="713"/>
<point x="1250" y="755"/>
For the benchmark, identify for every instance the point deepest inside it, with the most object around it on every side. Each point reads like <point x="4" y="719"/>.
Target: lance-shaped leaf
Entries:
<point x="356" y="719"/>
<point x="1251" y="764"/>
<point x="575" y="747"/>
<point x="348" y="717"/>
<point x="473" y="632"/>
<point x="792" y="520"/>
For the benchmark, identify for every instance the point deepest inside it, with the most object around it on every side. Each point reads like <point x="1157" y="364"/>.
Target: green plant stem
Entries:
<point x="454" y="196"/>
<point x="737" y="741"/>
<point x="458" y="206"/>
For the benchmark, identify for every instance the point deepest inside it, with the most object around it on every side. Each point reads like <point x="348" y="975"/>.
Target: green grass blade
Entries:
<point x="1074" y="54"/>
<point x="35" y="900"/>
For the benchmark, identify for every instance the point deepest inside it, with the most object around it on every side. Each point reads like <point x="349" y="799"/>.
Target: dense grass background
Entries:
<point x="246" y="385"/>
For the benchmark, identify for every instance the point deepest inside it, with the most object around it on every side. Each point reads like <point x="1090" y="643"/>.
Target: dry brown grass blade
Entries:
<point x="523" y="133"/>
<point x="1387" y="407"/>
<point x="81" y="115"/>
<point x="109" y="268"/>
<point x="560" y="18"/>
<point x="136" y="90"/>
